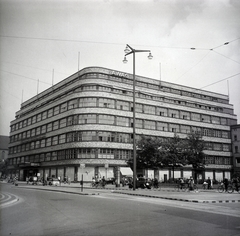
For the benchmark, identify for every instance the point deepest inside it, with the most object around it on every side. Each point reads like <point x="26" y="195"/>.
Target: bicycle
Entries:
<point x="194" y="188"/>
<point x="180" y="187"/>
<point x="231" y="189"/>
<point x="221" y="188"/>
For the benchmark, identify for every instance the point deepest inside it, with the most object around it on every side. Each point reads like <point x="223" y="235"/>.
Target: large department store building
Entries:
<point x="83" y="126"/>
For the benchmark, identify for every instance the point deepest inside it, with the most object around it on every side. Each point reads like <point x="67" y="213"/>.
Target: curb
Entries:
<point x="179" y="199"/>
<point x="9" y="203"/>
<point x="61" y="191"/>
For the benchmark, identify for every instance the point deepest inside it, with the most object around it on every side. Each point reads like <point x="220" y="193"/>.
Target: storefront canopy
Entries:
<point x="126" y="171"/>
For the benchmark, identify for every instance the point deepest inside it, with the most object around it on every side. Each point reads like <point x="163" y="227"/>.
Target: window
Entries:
<point x="185" y="115"/>
<point x="44" y="127"/>
<point x="106" y="119"/>
<point x="62" y="138"/>
<point x="39" y="117"/>
<point x="63" y="107"/>
<point x="162" y="126"/>
<point x="215" y="120"/>
<point x="149" y="109"/>
<point x="88" y="102"/>
<point x="50" y="112"/>
<point x="148" y="124"/>
<point x="44" y="115"/>
<point x="55" y="140"/>
<point x="106" y="153"/>
<point x="123" y="121"/>
<point x="235" y="137"/>
<point x="87" y="119"/>
<point x="185" y="129"/>
<point x="49" y="127"/>
<point x="72" y="104"/>
<point x="87" y="136"/>
<point x="138" y="108"/>
<point x="56" y="110"/>
<point x="206" y="118"/>
<point x="38" y="130"/>
<point x="225" y="134"/>
<point x="48" y="142"/>
<point x="236" y="149"/>
<point x="121" y="105"/>
<point x="162" y="111"/>
<point x="107" y="103"/>
<point x="173" y="113"/>
<point x="174" y="128"/>
<point x="217" y="147"/>
<point x="55" y="125"/>
<point x="63" y="123"/>
<point x="43" y="143"/>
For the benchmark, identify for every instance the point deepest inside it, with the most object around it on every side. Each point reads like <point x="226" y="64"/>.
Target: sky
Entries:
<point x="43" y="42"/>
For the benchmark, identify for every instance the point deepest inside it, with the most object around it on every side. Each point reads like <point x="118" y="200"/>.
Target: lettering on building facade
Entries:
<point x="118" y="73"/>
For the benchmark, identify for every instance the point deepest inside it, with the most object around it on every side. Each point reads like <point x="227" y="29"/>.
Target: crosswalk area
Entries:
<point x="7" y="199"/>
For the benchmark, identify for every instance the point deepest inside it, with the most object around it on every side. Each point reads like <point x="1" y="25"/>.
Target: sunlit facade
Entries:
<point x="83" y="126"/>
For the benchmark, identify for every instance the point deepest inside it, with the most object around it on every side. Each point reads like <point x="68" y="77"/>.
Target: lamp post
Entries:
<point x="129" y="50"/>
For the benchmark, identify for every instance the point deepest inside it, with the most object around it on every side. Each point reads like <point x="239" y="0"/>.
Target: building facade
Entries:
<point x="83" y="126"/>
<point x="235" y="135"/>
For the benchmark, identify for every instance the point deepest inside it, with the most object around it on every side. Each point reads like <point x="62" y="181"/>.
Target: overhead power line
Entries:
<point x="220" y="80"/>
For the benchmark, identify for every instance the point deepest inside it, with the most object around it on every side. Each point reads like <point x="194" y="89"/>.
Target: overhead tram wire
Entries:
<point x="26" y="77"/>
<point x="220" y="80"/>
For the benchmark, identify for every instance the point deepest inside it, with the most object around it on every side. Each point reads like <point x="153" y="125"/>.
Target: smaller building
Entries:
<point x="235" y="136"/>
<point x="4" y="141"/>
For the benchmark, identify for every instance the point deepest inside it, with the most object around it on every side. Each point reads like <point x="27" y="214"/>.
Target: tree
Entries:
<point x="148" y="155"/>
<point x="194" y="150"/>
<point x="173" y="153"/>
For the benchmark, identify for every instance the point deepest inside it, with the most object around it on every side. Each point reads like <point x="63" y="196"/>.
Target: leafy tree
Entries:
<point x="173" y="152"/>
<point x="194" y="150"/>
<point x="148" y="155"/>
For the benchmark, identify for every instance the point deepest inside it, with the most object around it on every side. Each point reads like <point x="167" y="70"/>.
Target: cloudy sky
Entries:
<point x="40" y="42"/>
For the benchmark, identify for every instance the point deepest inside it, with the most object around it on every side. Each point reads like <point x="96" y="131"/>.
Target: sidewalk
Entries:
<point x="201" y="196"/>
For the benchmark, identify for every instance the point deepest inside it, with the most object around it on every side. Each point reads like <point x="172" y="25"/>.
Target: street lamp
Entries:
<point x="129" y="50"/>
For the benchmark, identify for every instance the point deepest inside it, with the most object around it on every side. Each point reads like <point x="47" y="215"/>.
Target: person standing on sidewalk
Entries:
<point x="191" y="183"/>
<point x="225" y="182"/>
<point x="208" y="183"/>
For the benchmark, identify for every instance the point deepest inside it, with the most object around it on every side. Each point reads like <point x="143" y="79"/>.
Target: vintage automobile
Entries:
<point x="52" y="181"/>
<point x="142" y="182"/>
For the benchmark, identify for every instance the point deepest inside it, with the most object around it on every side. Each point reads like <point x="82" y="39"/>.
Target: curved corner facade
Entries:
<point x="83" y="126"/>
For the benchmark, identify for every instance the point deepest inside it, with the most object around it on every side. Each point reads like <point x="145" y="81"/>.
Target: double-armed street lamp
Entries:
<point x="129" y="50"/>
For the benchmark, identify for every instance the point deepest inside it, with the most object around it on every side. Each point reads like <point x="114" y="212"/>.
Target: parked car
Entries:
<point x="32" y="180"/>
<point x="110" y="181"/>
<point x="52" y="181"/>
<point x="142" y="182"/>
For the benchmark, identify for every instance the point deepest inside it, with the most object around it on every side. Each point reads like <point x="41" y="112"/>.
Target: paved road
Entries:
<point x="106" y="212"/>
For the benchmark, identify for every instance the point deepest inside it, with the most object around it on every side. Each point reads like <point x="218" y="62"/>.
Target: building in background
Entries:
<point x="83" y="126"/>
<point x="235" y="135"/>
<point x="4" y="142"/>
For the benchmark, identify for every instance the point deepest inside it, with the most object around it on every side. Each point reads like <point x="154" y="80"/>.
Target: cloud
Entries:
<point x="181" y="10"/>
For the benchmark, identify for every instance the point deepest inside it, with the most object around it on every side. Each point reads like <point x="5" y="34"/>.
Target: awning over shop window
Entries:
<point x="126" y="171"/>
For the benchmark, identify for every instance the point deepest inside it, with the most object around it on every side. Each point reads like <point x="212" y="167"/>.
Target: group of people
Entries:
<point x="190" y="183"/>
<point x="97" y="180"/>
<point x="235" y="182"/>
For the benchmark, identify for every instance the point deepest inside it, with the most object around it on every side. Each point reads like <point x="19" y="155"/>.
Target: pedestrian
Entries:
<point x="225" y="182"/>
<point x="191" y="183"/>
<point x="209" y="183"/>
<point x="103" y="181"/>
<point x="181" y="181"/>
<point x="235" y="181"/>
